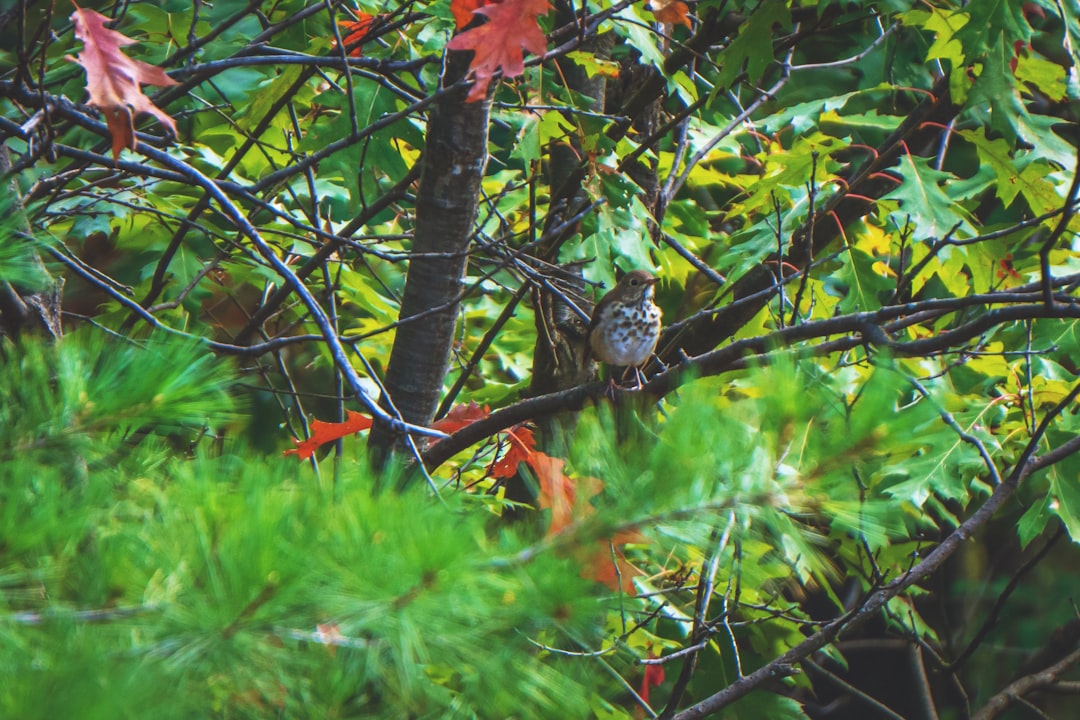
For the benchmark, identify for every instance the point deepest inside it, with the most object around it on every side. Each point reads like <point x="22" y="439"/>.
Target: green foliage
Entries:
<point x="857" y="283"/>
<point x="210" y="575"/>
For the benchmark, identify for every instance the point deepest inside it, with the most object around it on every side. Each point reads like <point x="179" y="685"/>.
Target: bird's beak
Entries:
<point x="652" y="281"/>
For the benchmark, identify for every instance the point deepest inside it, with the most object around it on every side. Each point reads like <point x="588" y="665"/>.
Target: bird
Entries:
<point x="625" y="324"/>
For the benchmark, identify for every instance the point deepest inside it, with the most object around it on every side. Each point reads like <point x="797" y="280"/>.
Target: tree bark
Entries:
<point x="23" y="308"/>
<point x="452" y="169"/>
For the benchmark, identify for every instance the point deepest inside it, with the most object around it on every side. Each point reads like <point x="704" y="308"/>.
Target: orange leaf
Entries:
<point x="498" y="43"/>
<point x="463" y="11"/>
<point x="616" y="575"/>
<point x="113" y="79"/>
<point x="522" y="445"/>
<point x="522" y="449"/>
<point x="671" y="12"/>
<point x="355" y="30"/>
<point x="324" y="432"/>
<point x="560" y="493"/>
<point x="460" y="416"/>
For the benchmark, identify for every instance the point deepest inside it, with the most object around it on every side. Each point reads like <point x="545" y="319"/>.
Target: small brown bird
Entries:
<point x="626" y="324"/>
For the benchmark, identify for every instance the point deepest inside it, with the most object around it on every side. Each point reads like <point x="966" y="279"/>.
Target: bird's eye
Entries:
<point x="634" y="282"/>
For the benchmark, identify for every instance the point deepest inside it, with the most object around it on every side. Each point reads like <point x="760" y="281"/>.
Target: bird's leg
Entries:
<point x="611" y="387"/>
<point x="637" y="377"/>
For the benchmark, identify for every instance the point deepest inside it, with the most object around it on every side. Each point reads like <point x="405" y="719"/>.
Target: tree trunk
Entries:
<point x="453" y="167"/>
<point x="24" y="308"/>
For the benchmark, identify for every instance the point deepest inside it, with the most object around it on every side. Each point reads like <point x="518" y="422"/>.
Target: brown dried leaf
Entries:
<point x="113" y="79"/>
<point x="671" y="12"/>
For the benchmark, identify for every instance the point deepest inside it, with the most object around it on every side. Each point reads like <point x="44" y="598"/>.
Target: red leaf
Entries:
<point x="654" y="677"/>
<point x="498" y="43"/>
<point x="463" y="11"/>
<point x="671" y="12"/>
<point x="522" y="450"/>
<point x="324" y="432"/>
<point x="460" y="416"/>
<point x="113" y="79"/>
<point x="355" y="30"/>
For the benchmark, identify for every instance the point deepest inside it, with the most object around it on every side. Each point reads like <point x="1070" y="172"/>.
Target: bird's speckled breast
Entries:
<point x="634" y="332"/>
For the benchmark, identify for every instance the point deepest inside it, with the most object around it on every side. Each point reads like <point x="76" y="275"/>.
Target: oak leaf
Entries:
<point x="113" y="79"/>
<point x="460" y="416"/>
<point x="463" y="11"/>
<point x="355" y="31"/>
<point x="498" y="43"/>
<point x="324" y="432"/>
<point x="671" y="12"/>
<point x="522" y="449"/>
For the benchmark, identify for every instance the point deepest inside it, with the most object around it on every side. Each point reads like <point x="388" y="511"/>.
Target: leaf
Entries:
<point x="753" y="45"/>
<point x="355" y="31"/>
<point x="566" y="498"/>
<point x="944" y="24"/>
<point x="113" y="79"/>
<point x="361" y="167"/>
<point x="1048" y="77"/>
<point x="268" y="95"/>
<point x="1033" y="522"/>
<point x="463" y="11"/>
<point x="522" y="450"/>
<point x="672" y="12"/>
<point x="592" y="65"/>
<point x="992" y="19"/>
<point x="922" y="198"/>
<point x="460" y="416"/>
<point x="497" y="44"/>
<point x="324" y="432"/>
<point x="1065" y="491"/>
<point x="858" y="283"/>
<point x="653" y="677"/>
<point x="521" y="443"/>
<point x="995" y="87"/>
<point x="616" y="572"/>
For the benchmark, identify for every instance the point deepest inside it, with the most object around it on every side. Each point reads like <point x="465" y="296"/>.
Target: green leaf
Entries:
<point x="1034" y="520"/>
<point x="995" y="88"/>
<point x="269" y="95"/>
<point x="593" y="65"/>
<point x="1016" y="173"/>
<point x="945" y="24"/>
<point x="362" y="166"/>
<point x="1065" y="498"/>
<point x="861" y="287"/>
<point x="923" y="198"/>
<point x="1047" y="77"/>
<point x="752" y="47"/>
<point x="991" y="21"/>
